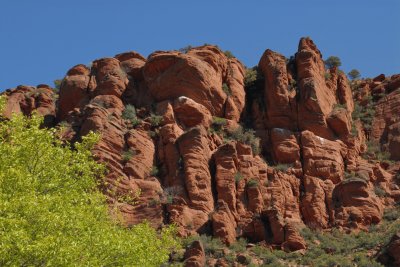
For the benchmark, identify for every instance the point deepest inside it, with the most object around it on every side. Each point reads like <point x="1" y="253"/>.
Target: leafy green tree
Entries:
<point x="354" y="74"/>
<point x="333" y="61"/>
<point x="51" y="211"/>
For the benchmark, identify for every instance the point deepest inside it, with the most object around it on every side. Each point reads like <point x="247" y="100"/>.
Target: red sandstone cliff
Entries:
<point x="199" y="172"/>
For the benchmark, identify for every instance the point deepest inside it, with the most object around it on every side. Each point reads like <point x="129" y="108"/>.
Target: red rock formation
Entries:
<point x="170" y="75"/>
<point x="74" y="91"/>
<point x="355" y="204"/>
<point x="285" y="147"/>
<point x="316" y="204"/>
<point x="27" y="99"/>
<point x="279" y="98"/>
<point x="195" y="256"/>
<point x="322" y="158"/>
<point x="167" y="162"/>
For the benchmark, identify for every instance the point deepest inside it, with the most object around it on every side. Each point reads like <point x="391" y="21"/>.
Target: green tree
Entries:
<point x="229" y="54"/>
<point x="51" y="211"/>
<point x="333" y="61"/>
<point x="57" y="84"/>
<point x="354" y="74"/>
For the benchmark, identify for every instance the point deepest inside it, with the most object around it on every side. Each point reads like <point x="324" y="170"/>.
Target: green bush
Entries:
<point x="238" y="177"/>
<point x="379" y="191"/>
<point x="252" y="183"/>
<point x="226" y="89"/>
<point x="57" y="84"/>
<point x="391" y="214"/>
<point x="338" y="106"/>
<point x="155" y="120"/>
<point x="154" y="171"/>
<point x="229" y="54"/>
<point x="239" y="245"/>
<point x="246" y="136"/>
<point x="129" y="114"/>
<point x="364" y="113"/>
<point x="127" y="155"/>
<point x="211" y="245"/>
<point x="282" y="167"/>
<point x="218" y="124"/>
<point x="250" y="76"/>
<point x="52" y="213"/>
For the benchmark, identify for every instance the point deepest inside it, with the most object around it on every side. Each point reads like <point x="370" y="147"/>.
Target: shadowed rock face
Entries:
<point x="168" y="162"/>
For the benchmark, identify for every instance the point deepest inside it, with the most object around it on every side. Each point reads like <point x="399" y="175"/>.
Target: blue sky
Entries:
<point x="42" y="39"/>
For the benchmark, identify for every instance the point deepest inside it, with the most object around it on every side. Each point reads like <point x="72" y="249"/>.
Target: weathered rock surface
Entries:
<point x="355" y="204"/>
<point x="198" y="75"/>
<point x="27" y="99"/>
<point x="322" y="158"/>
<point x="390" y="256"/>
<point x="170" y="160"/>
<point x="195" y="256"/>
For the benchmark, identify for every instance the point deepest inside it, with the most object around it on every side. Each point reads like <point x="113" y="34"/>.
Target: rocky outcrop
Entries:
<point x="315" y="98"/>
<point x="28" y="99"/>
<point x="194" y="255"/>
<point x="382" y="93"/>
<point x="279" y="96"/>
<point x="170" y="75"/>
<point x="174" y="151"/>
<point x="322" y="158"/>
<point x="355" y="204"/>
<point x="390" y="256"/>
<point x="74" y="91"/>
<point x="316" y="204"/>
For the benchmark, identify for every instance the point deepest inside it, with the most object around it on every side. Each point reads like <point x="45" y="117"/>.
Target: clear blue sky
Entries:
<point x="42" y="39"/>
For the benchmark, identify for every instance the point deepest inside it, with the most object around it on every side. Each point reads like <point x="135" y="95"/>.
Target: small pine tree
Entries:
<point x="333" y="61"/>
<point x="354" y="74"/>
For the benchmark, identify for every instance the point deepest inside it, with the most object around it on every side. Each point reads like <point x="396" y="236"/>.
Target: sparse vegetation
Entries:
<point x="129" y="114"/>
<point x="379" y="191"/>
<point x="250" y="76"/>
<point x="239" y="245"/>
<point x="155" y="120"/>
<point x="185" y="49"/>
<point x="364" y="113"/>
<point x="238" y="177"/>
<point x="292" y="84"/>
<point x="374" y="152"/>
<point x="324" y="248"/>
<point x="282" y="167"/>
<point x="229" y="54"/>
<point x="246" y="136"/>
<point x="127" y="155"/>
<point x="57" y="84"/>
<point x="169" y="193"/>
<point x="217" y="124"/>
<point x="338" y="106"/>
<point x="226" y="89"/>
<point x="212" y="246"/>
<point x="252" y="183"/>
<point x="154" y="171"/>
